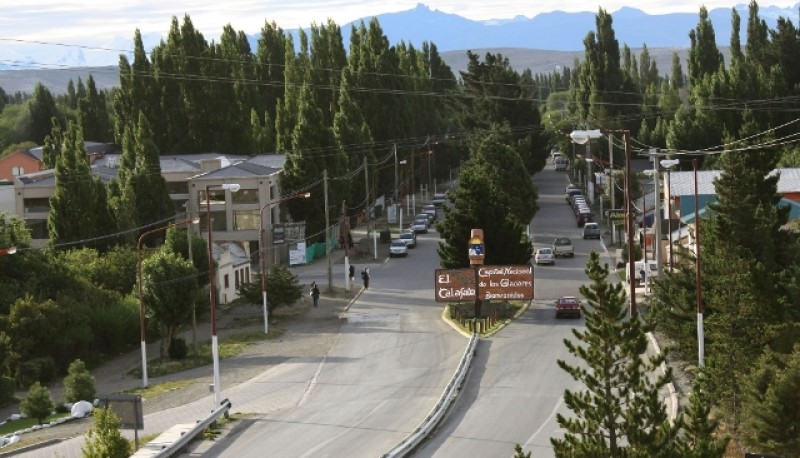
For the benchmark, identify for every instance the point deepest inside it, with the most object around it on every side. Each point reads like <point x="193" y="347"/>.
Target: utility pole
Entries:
<point x="345" y="232"/>
<point x="327" y="231"/>
<point x="611" y="183"/>
<point x="366" y="185"/>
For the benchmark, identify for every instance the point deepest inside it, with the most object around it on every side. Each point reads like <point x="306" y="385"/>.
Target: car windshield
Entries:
<point x="406" y="236"/>
<point x="562" y="242"/>
<point x="398" y="243"/>
<point x="544" y="251"/>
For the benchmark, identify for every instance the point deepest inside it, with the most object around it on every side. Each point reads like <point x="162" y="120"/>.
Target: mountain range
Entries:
<point x="540" y="43"/>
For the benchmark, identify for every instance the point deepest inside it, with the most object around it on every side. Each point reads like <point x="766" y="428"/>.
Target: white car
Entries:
<point x="420" y="225"/>
<point x="398" y="248"/>
<point x="410" y="238"/>
<point x="544" y="256"/>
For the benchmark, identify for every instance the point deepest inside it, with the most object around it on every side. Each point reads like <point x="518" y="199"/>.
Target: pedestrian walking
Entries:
<point x="352" y="274"/>
<point x="314" y="293"/>
<point x="365" y="277"/>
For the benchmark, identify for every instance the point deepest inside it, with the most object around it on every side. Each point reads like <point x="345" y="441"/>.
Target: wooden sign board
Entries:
<point x="513" y="282"/>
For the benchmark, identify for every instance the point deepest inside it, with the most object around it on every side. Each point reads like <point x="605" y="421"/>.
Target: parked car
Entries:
<point x="544" y="256"/>
<point x="439" y="199"/>
<point x="398" y="248"/>
<point x="571" y="193"/>
<point x="562" y="246"/>
<point x="420" y="225"/>
<point x="591" y="231"/>
<point x="410" y="238"/>
<point x="570" y="187"/>
<point x="430" y="210"/>
<point x="568" y="306"/>
<point x="561" y="164"/>
<point x="584" y="216"/>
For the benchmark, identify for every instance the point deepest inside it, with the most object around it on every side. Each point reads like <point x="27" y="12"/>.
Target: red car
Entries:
<point x="568" y="306"/>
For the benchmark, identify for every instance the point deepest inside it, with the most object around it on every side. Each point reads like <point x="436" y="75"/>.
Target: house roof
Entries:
<point x="794" y="211"/>
<point x="107" y="167"/>
<point x="682" y="183"/>
<point x="244" y="169"/>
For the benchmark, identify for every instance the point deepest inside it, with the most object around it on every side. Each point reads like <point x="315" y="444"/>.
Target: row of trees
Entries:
<point x="748" y="260"/>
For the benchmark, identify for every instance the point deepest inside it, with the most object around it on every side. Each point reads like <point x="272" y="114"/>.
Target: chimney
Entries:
<point x="208" y="165"/>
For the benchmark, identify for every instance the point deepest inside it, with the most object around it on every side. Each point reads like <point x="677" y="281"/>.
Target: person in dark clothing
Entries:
<point x="365" y="277"/>
<point x="314" y="293"/>
<point x="352" y="274"/>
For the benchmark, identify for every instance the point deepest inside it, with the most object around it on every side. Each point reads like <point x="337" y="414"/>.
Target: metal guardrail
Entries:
<point x="432" y="420"/>
<point x="156" y="449"/>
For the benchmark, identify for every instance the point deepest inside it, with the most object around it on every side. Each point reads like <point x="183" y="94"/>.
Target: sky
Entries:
<point x="91" y="22"/>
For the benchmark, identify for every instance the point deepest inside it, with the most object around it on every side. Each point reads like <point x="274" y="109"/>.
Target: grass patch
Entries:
<point x="493" y="315"/>
<point x="23" y="423"/>
<point x="229" y="346"/>
<point x="161" y="388"/>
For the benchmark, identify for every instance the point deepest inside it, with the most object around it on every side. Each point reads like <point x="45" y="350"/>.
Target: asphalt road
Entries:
<point x="392" y="360"/>
<point x="515" y="387"/>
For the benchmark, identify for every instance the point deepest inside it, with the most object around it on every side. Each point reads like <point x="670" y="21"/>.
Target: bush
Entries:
<point x="79" y="383"/>
<point x="104" y="439"/>
<point x="37" y="403"/>
<point x="177" y="348"/>
<point x="8" y="386"/>
<point x="36" y="370"/>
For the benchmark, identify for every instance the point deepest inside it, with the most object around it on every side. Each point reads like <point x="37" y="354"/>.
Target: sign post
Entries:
<point x="476" y="252"/>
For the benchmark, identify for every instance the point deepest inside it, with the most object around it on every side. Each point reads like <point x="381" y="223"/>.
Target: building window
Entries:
<point x="237" y="282"/>
<point x="177" y="187"/>
<point x="17" y="170"/>
<point x="37" y="205"/>
<point x="218" y="222"/>
<point x="227" y="281"/>
<point x="245" y="196"/>
<point x="244" y="220"/>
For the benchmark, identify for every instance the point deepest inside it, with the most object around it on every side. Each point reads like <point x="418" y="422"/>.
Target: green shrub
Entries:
<point x="8" y="386"/>
<point x="177" y="348"/>
<point x="37" y="403"/>
<point x="79" y="383"/>
<point x="36" y="370"/>
<point x="115" y="326"/>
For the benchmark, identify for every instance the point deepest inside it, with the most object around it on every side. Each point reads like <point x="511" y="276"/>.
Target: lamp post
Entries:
<point x="262" y="241"/>
<point x="212" y="287"/>
<point x="142" y="333"/>
<point x="583" y="136"/>
<point x="669" y="164"/>
<point x="10" y="250"/>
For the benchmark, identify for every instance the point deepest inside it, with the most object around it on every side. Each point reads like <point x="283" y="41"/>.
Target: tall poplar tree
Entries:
<point x="74" y="203"/>
<point x="42" y="110"/>
<point x="153" y="203"/>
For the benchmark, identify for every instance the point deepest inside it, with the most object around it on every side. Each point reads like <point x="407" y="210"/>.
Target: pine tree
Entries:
<point x="620" y="413"/>
<point x="79" y="383"/>
<point x="699" y="440"/>
<point x="481" y="203"/>
<point x="772" y="412"/>
<point x="37" y="403"/>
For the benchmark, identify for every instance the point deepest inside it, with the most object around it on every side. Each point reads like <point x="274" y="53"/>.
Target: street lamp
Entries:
<point x="262" y="241"/>
<point x="669" y="164"/>
<point x="212" y="286"/>
<point x="141" y="293"/>
<point x="10" y="250"/>
<point x="583" y="136"/>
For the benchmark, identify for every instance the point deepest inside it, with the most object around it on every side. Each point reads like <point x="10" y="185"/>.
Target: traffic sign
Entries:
<point x="616" y="214"/>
